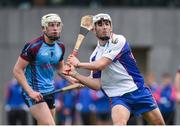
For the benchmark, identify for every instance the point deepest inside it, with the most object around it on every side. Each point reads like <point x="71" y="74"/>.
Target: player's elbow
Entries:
<point x="96" y="87"/>
<point x="93" y="85"/>
<point x="16" y="71"/>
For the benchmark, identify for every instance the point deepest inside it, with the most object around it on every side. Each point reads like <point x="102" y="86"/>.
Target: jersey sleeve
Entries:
<point x="63" y="51"/>
<point x="115" y="47"/>
<point x="26" y="53"/>
<point x="95" y="74"/>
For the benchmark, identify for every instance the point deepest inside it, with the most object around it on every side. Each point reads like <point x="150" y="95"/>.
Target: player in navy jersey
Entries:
<point x="116" y="73"/>
<point x="36" y="67"/>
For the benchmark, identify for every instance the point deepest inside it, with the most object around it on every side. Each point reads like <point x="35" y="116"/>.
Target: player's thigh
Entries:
<point x="120" y="115"/>
<point x="42" y="114"/>
<point x="154" y="117"/>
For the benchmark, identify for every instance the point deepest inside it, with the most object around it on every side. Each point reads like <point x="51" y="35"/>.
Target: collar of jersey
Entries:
<point x="49" y="44"/>
<point x="105" y="45"/>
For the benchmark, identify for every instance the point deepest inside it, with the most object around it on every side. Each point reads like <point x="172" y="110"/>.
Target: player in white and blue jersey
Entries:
<point x="116" y="73"/>
<point x="36" y="67"/>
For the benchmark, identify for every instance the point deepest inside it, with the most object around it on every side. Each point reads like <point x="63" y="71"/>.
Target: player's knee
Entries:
<point x="120" y="122"/>
<point x="46" y="122"/>
<point x="159" y="122"/>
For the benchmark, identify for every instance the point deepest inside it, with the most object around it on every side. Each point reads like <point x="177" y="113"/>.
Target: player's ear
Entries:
<point x="43" y="28"/>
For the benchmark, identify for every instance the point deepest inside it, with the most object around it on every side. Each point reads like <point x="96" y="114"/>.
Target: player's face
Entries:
<point x="166" y="80"/>
<point x="53" y="29"/>
<point x="103" y="28"/>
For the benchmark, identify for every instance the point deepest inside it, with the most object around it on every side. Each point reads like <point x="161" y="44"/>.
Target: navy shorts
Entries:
<point x="50" y="100"/>
<point x="137" y="102"/>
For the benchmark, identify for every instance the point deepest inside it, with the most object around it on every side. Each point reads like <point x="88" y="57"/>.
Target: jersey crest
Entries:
<point x="115" y="41"/>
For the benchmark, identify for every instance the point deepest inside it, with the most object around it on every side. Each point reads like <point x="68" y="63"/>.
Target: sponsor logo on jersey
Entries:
<point x="115" y="41"/>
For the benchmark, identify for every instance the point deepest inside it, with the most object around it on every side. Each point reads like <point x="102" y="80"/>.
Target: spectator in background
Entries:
<point x="59" y="83"/>
<point x="177" y="85"/>
<point x="152" y="84"/>
<point x="85" y="106"/>
<point x="56" y="2"/>
<point x="24" y="4"/>
<point x="15" y="107"/>
<point x="69" y="100"/>
<point x="167" y="99"/>
<point x="150" y="81"/>
<point x="103" y="109"/>
<point x="39" y="3"/>
<point x="65" y="104"/>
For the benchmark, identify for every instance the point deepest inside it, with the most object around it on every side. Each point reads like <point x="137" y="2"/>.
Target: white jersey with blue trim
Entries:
<point x="122" y="75"/>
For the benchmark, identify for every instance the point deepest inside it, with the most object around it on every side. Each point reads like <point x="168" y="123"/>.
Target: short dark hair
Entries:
<point x="166" y="75"/>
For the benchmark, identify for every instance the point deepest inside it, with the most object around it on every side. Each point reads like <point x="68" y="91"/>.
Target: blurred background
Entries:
<point x="152" y="27"/>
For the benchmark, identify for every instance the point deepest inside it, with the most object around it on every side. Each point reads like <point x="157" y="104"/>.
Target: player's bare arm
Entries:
<point x="88" y="81"/>
<point x="95" y="65"/>
<point x="93" y="83"/>
<point x="18" y="72"/>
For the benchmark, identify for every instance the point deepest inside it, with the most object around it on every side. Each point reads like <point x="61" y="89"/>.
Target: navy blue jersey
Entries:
<point x="13" y="98"/>
<point x="43" y="59"/>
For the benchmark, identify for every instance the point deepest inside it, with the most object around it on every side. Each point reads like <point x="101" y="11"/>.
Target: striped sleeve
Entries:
<point x="61" y="45"/>
<point x="96" y="74"/>
<point x="26" y="53"/>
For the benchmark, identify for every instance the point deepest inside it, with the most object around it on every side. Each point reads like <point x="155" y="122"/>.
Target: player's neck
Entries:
<point x="102" y="43"/>
<point x="47" y="40"/>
